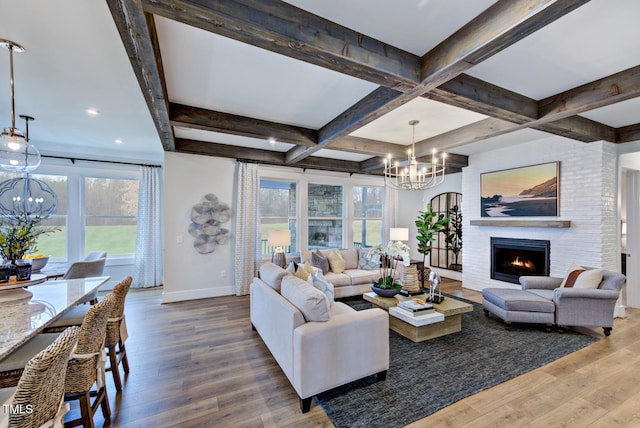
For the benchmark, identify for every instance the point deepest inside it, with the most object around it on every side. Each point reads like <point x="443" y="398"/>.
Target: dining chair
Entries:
<point x="92" y="265"/>
<point x="117" y="334"/>
<point x="87" y="365"/>
<point x="40" y="390"/>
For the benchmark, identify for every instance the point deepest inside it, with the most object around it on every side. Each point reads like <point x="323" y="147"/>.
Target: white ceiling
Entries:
<point x="75" y="59"/>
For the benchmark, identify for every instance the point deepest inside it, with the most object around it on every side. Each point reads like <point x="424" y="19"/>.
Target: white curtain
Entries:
<point x="390" y="214"/>
<point x="246" y="227"/>
<point x="148" y="257"/>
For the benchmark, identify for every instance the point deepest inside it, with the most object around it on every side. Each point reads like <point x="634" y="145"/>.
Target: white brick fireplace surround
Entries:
<point x="588" y="188"/>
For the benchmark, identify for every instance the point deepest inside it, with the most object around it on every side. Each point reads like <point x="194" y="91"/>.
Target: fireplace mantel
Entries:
<point x="557" y="224"/>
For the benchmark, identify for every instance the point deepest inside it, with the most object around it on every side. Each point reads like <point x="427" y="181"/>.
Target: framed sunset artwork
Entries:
<point x="529" y="191"/>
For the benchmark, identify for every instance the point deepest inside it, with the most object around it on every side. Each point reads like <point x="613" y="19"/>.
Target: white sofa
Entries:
<point x="352" y="281"/>
<point x="316" y="355"/>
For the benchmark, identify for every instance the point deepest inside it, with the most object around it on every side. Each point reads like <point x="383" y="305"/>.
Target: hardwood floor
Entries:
<point x="199" y="364"/>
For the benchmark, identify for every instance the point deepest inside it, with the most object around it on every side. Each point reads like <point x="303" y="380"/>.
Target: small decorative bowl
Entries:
<point x="37" y="264"/>
<point x="384" y="292"/>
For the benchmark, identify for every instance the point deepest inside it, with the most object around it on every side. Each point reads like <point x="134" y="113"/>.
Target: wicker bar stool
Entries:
<point x="87" y="365"/>
<point x="39" y="393"/>
<point x="117" y="334"/>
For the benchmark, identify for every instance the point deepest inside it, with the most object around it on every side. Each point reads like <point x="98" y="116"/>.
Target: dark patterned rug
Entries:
<point x="425" y="377"/>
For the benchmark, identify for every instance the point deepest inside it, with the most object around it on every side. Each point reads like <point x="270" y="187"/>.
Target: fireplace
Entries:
<point x="512" y="258"/>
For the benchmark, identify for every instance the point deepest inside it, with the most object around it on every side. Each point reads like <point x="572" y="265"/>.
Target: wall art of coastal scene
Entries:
<point x="520" y="192"/>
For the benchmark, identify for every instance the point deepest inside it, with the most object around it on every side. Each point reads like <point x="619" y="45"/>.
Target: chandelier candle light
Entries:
<point x="414" y="175"/>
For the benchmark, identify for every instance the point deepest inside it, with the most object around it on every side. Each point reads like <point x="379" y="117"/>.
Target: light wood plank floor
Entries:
<point x="199" y="364"/>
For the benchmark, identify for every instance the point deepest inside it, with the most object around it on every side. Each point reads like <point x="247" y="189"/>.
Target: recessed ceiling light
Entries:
<point x="118" y="141"/>
<point x="272" y="141"/>
<point x="92" y="111"/>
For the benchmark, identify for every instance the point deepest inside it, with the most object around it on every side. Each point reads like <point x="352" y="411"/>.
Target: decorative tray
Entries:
<point x="35" y="279"/>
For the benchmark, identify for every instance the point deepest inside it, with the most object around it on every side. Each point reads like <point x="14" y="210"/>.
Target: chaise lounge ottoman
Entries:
<point x="518" y="306"/>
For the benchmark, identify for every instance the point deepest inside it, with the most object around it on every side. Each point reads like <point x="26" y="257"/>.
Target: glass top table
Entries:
<point x="20" y="320"/>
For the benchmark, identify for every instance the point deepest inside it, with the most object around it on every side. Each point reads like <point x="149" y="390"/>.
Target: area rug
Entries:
<point x="425" y="377"/>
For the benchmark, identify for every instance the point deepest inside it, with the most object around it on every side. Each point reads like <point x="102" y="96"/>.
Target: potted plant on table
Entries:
<point x="18" y="236"/>
<point x="387" y="285"/>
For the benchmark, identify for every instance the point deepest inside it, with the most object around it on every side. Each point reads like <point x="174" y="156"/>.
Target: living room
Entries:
<point x="593" y="185"/>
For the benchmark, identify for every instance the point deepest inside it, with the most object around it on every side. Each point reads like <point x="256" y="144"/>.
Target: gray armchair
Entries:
<point x="579" y="306"/>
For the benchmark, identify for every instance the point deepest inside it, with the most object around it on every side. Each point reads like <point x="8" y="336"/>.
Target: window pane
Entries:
<point x="53" y="244"/>
<point x="367" y="205"/>
<point x="325" y="200"/>
<point x="277" y="212"/>
<point x="111" y="209"/>
<point x="325" y="234"/>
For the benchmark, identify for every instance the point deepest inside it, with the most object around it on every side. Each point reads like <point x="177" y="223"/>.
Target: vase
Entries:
<point x="384" y="292"/>
<point x="23" y="270"/>
<point x="5" y="272"/>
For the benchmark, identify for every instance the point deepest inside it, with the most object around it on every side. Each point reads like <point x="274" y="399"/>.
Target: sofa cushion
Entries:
<point x="312" y="302"/>
<point x="323" y="284"/>
<point x="366" y="262"/>
<point x="272" y="275"/>
<point x="361" y="276"/>
<point x="511" y="299"/>
<point x="338" y="279"/>
<point x="336" y="263"/>
<point x="350" y="258"/>
<point x="579" y="277"/>
<point x="320" y="261"/>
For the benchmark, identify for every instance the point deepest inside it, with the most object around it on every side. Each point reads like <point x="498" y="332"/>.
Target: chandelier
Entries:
<point x="411" y="174"/>
<point x="16" y="153"/>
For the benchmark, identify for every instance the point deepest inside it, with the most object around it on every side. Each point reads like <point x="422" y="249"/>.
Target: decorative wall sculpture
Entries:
<point x="206" y="218"/>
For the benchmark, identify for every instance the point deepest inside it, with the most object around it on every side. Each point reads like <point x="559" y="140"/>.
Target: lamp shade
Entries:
<point x="279" y="238"/>
<point x="399" y="234"/>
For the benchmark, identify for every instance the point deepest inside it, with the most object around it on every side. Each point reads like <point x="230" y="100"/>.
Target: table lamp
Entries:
<point x="278" y="239"/>
<point x="399" y="234"/>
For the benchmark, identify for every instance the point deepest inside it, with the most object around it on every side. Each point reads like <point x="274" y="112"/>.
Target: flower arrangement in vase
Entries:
<point x="387" y="285"/>
<point x="18" y="236"/>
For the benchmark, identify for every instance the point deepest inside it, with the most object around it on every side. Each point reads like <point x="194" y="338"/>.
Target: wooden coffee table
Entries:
<point x="420" y="329"/>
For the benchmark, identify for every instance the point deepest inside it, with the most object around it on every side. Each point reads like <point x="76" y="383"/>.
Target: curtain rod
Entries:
<point x="73" y="161"/>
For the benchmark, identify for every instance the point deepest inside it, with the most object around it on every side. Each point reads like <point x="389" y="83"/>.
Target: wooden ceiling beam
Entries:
<point x="137" y="31"/>
<point x="626" y="134"/>
<point x="501" y="25"/>
<point x="454" y="162"/>
<point x="267" y="157"/>
<point x="288" y="30"/>
<point x="216" y="121"/>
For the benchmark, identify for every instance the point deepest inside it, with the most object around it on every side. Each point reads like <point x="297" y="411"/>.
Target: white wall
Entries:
<point x="588" y="198"/>
<point x="187" y="273"/>
<point x="411" y="202"/>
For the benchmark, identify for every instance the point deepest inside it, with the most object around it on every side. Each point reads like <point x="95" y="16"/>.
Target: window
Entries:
<point x="111" y="209"/>
<point x="440" y="255"/>
<point x="367" y="216"/>
<point x="53" y="244"/>
<point x="277" y="212"/>
<point x="325" y="216"/>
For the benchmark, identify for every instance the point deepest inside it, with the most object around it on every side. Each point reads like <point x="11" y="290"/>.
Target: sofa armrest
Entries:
<point x="540" y="282"/>
<point x="584" y="293"/>
<point x="348" y="347"/>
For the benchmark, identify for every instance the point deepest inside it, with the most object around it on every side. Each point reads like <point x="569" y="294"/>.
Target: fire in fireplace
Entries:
<point x="512" y="258"/>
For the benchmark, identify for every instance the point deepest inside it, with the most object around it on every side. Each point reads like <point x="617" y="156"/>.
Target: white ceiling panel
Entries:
<point x="617" y="115"/>
<point x="435" y="118"/>
<point x="229" y="139"/>
<point x="218" y="73"/>
<point x="596" y="40"/>
<point x="416" y="26"/>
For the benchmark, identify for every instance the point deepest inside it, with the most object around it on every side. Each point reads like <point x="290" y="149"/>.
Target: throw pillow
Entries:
<point x="313" y="303"/>
<point x="579" y="277"/>
<point x="336" y="262"/>
<point x="319" y="261"/>
<point x="323" y="284"/>
<point x="304" y="271"/>
<point x="291" y="268"/>
<point x="366" y="263"/>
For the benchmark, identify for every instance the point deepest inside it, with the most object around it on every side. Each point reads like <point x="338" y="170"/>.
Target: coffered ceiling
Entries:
<point x="328" y="85"/>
